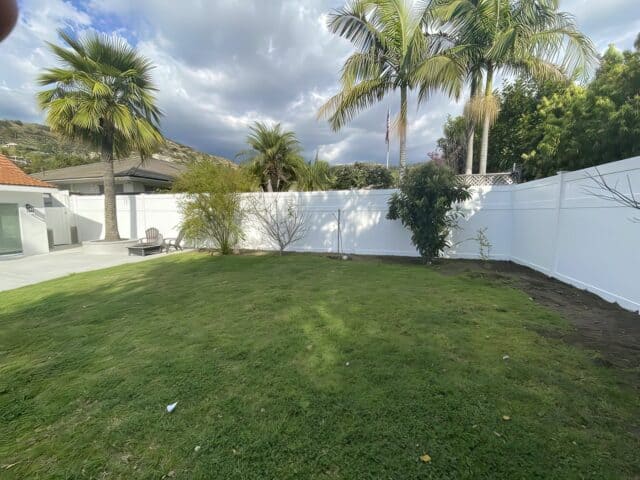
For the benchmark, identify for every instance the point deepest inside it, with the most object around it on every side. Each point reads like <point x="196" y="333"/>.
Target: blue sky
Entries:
<point x="223" y="64"/>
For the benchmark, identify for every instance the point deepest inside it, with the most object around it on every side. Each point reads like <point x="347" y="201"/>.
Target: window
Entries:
<point x="10" y="238"/>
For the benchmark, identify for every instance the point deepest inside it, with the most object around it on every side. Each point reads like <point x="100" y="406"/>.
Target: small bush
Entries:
<point x="211" y="209"/>
<point x="425" y="204"/>
<point x="361" y="175"/>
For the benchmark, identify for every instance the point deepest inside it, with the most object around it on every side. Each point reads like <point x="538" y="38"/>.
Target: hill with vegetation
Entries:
<point x="35" y="148"/>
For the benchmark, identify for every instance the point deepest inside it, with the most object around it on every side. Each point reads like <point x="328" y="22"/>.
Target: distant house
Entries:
<point x="130" y="175"/>
<point x="23" y="227"/>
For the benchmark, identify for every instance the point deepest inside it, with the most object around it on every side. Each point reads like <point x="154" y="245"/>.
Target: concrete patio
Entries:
<point x="19" y="271"/>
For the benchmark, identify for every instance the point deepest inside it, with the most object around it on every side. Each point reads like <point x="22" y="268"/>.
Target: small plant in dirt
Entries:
<point x="211" y="209"/>
<point x="426" y="205"/>
<point x="484" y="245"/>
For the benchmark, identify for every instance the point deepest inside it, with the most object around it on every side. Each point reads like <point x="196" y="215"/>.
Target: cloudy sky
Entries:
<point x="223" y="64"/>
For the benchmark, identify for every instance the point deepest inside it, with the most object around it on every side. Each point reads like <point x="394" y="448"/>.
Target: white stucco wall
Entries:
<point x="84" y="188"/>
<point x="33" y="226"/>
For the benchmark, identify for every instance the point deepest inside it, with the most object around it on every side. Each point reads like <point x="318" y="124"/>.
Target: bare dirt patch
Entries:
<point x="601" y="326"/>
<point x="606" y="328"/>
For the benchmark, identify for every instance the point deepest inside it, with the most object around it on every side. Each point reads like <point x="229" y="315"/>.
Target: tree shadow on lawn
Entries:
<point x="299" y="366"/>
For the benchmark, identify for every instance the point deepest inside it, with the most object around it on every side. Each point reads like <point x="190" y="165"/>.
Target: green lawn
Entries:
<point x="299" y="367"/>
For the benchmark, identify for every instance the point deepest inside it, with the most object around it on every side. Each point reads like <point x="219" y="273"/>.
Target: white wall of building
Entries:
<point x="553" y="225"/>
<point x="33" y="225"/>
<point x="94" y="188"/>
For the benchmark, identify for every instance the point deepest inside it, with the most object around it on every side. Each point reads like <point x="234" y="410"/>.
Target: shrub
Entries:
<point x="361" y="175"/>
<point x="314" y="176"/>
<point x="425" y="203"/>
<point x="281" y="221"/>
<point x="211" y="209"/>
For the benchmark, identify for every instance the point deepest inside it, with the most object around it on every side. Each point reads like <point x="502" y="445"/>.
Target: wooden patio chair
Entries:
<point x="176" y="242"/>
<point x="152" y="236"/>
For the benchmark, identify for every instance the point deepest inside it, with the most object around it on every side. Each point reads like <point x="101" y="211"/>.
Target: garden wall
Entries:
<point x="554" y="225"/>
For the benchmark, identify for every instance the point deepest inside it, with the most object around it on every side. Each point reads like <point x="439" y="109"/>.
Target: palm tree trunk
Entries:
<point x="486" y="125"/>
<point x="403" y="128"/>
<point x="471" y="130"/>
<point x="471" y="135"/>
<point x="110" y="217"/>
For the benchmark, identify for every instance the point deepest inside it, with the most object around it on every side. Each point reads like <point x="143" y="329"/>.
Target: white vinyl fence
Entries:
<point x="554" y="225"/>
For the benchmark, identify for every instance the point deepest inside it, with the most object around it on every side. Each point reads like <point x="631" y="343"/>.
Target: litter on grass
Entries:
<point x="171" y="407"/>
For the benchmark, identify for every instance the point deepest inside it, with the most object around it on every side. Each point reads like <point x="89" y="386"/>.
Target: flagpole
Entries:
<point x="387" y="137"/>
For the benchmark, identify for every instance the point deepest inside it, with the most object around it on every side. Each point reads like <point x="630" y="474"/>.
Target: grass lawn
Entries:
<point x="300" y="367"/>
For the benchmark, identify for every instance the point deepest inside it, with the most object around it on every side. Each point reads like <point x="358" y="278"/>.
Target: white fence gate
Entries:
<point x="58" y="222"/>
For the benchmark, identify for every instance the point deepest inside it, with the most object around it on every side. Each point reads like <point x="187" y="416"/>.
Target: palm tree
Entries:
<point x="452" y="44"/>
<point x="102" y="94"/>
<point x="274" y="156"/>
<point x="315" y="176"/>
<point x="530" y="38"/>
<point x="393" y="53"/>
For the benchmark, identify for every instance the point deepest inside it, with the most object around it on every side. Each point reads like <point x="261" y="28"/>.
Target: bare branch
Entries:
<point x="611" y="193"/>
<point x="284" y="223"/>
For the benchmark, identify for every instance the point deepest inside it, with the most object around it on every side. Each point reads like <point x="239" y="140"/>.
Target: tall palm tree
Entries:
<point x="102" y="94"/>
<point x="530" y="38"/>
<point x="394" y="52"/>
<point x="452" y="44"/>
<point x="274" y="156"/>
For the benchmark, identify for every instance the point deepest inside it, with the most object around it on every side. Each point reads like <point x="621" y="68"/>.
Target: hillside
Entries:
<point x="35" y="148"/>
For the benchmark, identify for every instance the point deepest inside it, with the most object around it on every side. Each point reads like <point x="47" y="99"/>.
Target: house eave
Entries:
<point x="26" y="189"/>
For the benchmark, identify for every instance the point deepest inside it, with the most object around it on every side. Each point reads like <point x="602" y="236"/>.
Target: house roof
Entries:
<point x="152" y="168"/>
<point x="11" y="174"/>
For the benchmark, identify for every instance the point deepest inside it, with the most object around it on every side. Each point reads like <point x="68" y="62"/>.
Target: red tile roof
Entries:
<point x="10" y="174"/>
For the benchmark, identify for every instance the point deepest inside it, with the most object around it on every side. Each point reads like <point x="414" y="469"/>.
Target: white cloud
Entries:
<point x="222" y="65"/>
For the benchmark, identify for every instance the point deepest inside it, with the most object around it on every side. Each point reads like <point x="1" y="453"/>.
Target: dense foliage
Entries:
<point x="211" y="210"/>
<point x="580" y="127"/>
<point x="551" y="126"/>
<point x="425" y="203"/>
<point x="452" y="147"/>
<point x="361" y="175"/>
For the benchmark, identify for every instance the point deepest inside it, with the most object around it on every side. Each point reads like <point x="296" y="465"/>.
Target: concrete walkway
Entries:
<point x="20" y="271"/>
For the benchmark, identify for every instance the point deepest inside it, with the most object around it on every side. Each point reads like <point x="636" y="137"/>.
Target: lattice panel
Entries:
<point x="490" y="179"/>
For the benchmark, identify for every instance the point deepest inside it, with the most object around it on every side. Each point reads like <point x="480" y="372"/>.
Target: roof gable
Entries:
<point x="152" y="168"/>
<point x="11" y="174"/>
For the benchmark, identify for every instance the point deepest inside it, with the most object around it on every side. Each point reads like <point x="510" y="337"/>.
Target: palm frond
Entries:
<point x="480" y="107"/>
<point x="103" y="88"/>
<point x="343" y="107"/>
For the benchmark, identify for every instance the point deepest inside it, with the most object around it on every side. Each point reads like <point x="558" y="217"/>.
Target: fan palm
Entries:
<point x="273" y="157"/>
<point x="102" y="94"/>
<point x="530" y="38"/>
<point x="394" y="52"/>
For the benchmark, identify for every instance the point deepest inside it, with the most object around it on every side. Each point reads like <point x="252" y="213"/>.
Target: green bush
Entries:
<point x="425" y="205"/>
<point x="211" y="209"/>
<point x="361" y="175"/>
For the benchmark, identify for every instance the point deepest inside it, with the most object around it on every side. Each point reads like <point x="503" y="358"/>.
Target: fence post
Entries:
<point x="556" y="233"/>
